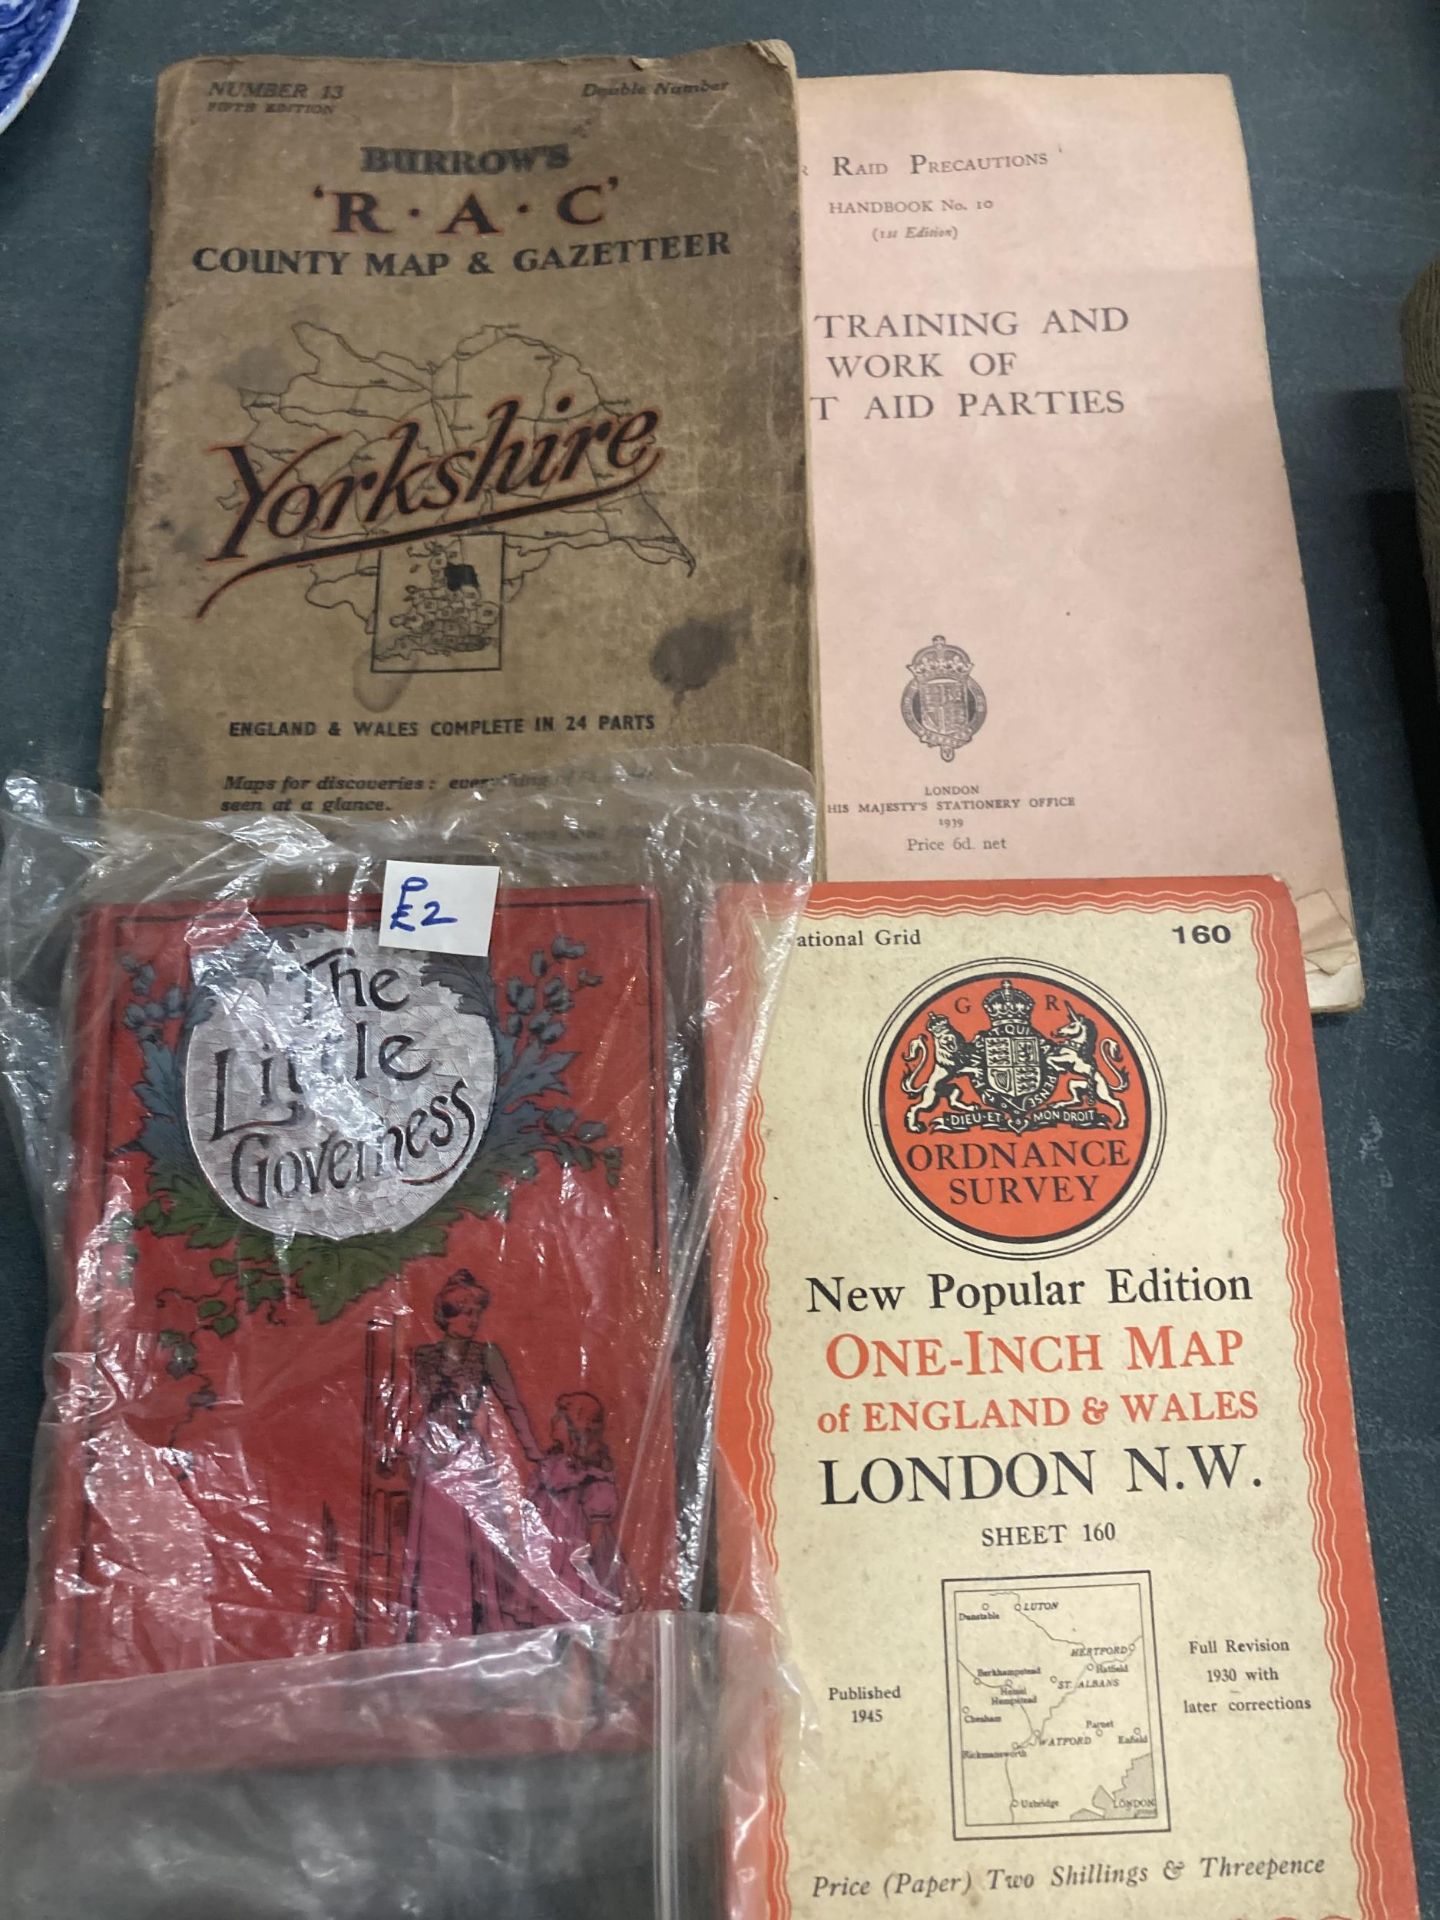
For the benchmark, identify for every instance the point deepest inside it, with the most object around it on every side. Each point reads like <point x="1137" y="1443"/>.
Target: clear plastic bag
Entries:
<point x="377" y="1424"/>
<point x="645" y="1823"/>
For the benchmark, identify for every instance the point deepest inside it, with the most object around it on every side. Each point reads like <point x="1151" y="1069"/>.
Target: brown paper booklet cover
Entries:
<point x="1062" y="628"/>
<point x="1035" y="1377"/>
<point x="469" y="430"/>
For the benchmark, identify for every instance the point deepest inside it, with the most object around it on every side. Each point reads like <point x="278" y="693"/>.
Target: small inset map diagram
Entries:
<point x="438" y="605"/>
<point x="1054" y="1706"/>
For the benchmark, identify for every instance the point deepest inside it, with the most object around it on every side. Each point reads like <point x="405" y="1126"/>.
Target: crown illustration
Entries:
<point x="940" y="661"/>
<point x="1009" y="1009"/>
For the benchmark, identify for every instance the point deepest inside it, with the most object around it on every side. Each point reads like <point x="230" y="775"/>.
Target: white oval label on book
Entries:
<point x="333" y="1087"/>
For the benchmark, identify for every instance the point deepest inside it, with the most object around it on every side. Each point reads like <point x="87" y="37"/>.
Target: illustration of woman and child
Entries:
<point x="493" y="1545"/>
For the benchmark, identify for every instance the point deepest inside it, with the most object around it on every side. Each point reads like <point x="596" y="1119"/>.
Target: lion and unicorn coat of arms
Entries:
<point x="1013" y="1069"/>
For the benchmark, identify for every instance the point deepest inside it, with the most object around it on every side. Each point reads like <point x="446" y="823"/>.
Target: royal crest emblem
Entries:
<point x="1013" y="1069"/>
<point x="1014" y="1109"/>
<point x="942" y="705"/>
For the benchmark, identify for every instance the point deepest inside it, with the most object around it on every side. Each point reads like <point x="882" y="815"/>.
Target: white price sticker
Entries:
<point x="431" y="907"/>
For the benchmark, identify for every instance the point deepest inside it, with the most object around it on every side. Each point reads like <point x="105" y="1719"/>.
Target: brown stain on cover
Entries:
<point x="689" y="656"/>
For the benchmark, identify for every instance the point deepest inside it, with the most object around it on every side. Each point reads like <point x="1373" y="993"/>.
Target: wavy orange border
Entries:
<point x="1380" y="1832"/>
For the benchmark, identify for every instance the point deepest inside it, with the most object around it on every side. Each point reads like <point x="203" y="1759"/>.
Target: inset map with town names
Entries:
<point x="1054" y="1706"/>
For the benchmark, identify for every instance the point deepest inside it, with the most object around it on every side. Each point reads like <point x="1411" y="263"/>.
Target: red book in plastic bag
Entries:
<point x="366" y="1342"/>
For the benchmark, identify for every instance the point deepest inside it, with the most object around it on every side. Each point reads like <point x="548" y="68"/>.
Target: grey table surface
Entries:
<point x="1338" y="100"/>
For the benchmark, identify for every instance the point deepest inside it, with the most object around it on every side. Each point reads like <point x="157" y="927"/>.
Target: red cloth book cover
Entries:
<point x="365" y="1341"/>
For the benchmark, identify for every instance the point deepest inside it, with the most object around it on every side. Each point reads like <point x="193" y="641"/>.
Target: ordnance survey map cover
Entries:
<point x="1036" y="1380"/>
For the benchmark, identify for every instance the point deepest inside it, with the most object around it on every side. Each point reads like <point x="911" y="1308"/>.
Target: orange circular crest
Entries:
<point x="1015" y="1108"/>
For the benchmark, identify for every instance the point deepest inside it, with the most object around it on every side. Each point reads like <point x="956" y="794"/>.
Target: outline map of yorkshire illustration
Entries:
<point x="1054" y="1706"/>
<point x="362" y="398"/>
